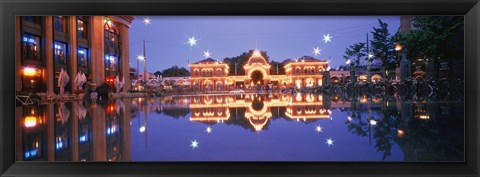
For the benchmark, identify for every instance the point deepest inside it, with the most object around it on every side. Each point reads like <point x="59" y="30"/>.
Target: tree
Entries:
<point x="240" y="61"/>
<point x="432" y="38"/>
<point x="356" y="53"/>
<point x="273" y="69"/>
<point x="176" y="112"/>
<point x="157" y="73"/>
<point x="382" y="44"/>
<point x="175" y="71"/>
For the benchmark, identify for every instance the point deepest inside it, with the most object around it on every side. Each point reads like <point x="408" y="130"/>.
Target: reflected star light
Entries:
<point x="209" y="130"/>
<point x="329" y="142"/>
<point x="194" y="144"/>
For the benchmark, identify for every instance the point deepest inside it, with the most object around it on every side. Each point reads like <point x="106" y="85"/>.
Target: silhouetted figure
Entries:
<point x="88" y="91"/>
<point x="102" y="91"/>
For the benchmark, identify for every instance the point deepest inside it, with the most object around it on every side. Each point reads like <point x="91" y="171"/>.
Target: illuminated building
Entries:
<point x="73" y="131"/>
<point x="305" y="72"/>
<point x="210" y="74"/>
<point x="94" y="45"/>
<point x="258" y="108"/>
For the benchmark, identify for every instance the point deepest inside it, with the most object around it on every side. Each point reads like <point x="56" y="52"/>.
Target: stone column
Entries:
<point x="72" y="35"/>
<point x="125" y="57"/>
<point x="75" y="144"/>
<point x="98" y="133"/>
<point x="126" y="135"/>
<point x="49" y="71"/>
<point x="50" y="121"/>
<point x="97" y="49"/>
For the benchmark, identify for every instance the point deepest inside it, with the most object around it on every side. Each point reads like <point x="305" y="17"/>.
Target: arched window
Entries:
<point x="112" y="49"/>
<point x="320" y="69"/>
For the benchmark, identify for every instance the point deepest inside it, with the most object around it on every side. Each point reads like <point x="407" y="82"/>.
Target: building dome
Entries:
<point x="257" y="58"/>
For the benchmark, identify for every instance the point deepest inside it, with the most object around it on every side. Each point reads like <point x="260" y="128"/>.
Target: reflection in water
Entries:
<point x="285" y="127"/>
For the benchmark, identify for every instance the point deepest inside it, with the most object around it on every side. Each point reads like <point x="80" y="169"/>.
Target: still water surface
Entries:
<point x="251" y="127"/>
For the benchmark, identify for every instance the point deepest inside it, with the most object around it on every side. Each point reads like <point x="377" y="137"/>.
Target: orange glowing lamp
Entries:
<point x="400" y="133"/>
<point x="28" y="71"/>
<point x="30" y="121"/>
<point x="111" y="109"/>
<point x="398" y="47"/>
<point x="364" y="99"/>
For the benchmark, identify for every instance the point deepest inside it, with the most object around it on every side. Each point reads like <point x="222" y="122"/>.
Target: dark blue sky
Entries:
<point x="282" y="37"/>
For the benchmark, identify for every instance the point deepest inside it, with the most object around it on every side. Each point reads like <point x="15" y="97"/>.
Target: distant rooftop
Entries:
<point x="304" y="59"/>
<point x="207" y="61"/>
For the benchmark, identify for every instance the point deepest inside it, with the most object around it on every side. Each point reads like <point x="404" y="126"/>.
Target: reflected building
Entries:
<point x="256" y="110"/>
<point x="74" y="131"/>
<point x="77" y="131"/>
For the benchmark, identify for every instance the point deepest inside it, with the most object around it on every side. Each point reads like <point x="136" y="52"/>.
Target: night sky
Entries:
<point x="283" y="37"/>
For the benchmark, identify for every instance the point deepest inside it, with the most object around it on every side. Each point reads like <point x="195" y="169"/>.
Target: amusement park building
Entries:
<point x="210" y="74"/>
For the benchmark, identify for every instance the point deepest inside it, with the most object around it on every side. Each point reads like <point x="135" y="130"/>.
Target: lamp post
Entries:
<point x="144" y="63"/>
<point x="352" y="70"/>
<point x="235" y="68"/>
<point x="405" y="67"/>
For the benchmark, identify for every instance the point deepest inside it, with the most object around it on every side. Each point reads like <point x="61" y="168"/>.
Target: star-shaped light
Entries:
<point x="348" y="61"/>
<point x="194" y="144"/>
<point x="329" y="142"/>
<point x="370" y="55"/>
<point x="327" y="38"/>
<point x="146" y="21"/>
<point x="209" y="130"/>
<point x="318" y="129"/>
<point x="316" y="51"/>
<point x="192" y="41"/>
<point x="207" y="54"/>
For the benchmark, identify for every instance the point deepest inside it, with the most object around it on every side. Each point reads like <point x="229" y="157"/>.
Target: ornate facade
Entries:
<point x="94" y="45"/>
<point x="210" y="74"/>
<point x="258" y="109"/>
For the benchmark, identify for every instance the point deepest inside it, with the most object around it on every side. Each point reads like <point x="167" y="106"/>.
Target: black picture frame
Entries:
<point x="9" y="9"/>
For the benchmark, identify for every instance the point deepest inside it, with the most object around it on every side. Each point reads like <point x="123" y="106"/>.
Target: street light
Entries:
<point x="139" y="57"/>
<point x="405" y="65"/>
<point x="29" y="71"/>
<point x="398" y="47"/>
<point x="348" y="61"/>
